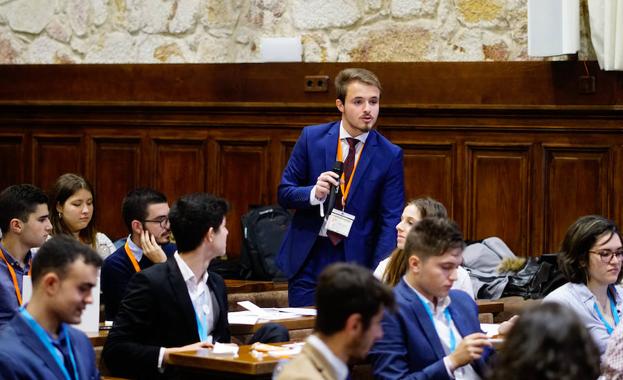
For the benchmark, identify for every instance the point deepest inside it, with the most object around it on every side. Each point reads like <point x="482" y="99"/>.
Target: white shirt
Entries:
<point x="340" y="368"/>
<point x="200" y="297"/>
<point x="463" y="282"/>
<point x="345" y="149"/>
<point x="135" y="249"/>
<point x="443" y="332"/>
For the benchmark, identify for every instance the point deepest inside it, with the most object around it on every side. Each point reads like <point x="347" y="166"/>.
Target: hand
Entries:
<point x="151" y="248"/>
<point x="190" y="347"/>
<point x="324" y="182"/>
<point x="470" y="349"/>
<point x="506" y="326"/>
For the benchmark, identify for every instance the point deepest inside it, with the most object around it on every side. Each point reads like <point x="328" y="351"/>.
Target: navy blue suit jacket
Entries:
<point x="116" y="273"/>
<point x="157" y="312"/>
<point x="410" y="347"/>
<point x="376" y="197"/>
<point x="23" y="356"/>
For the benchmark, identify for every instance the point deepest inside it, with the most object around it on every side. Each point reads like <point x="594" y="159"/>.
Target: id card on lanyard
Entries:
<point x="18" y="291"/>
<point x="45" y="339"/>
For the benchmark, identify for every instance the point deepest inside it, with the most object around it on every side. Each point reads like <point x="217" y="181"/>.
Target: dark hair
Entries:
<point x="345" y="289"/>
<point x="65" y="186"/>
<point x="548" y="342"/>
<point x="19" y="201"/>
<point x="433" y="237"/>
<point x="58" y="253"/>
<point x="398" y="261"/>
<point x="346" y="76"/>
<point x="136" y="202"/>
<point x="192" y="216"/>
<point x="579" y="239"/>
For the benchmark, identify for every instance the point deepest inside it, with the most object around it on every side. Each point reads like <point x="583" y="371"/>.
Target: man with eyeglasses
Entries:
<point x="591" y="257"/>
<point x="146" y="215"/>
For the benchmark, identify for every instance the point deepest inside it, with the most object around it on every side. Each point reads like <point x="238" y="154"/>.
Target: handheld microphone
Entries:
<point x="338" y="167"/>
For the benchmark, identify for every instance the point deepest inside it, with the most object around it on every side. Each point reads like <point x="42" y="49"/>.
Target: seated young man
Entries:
<point x="37" y="343"/>
<point x="146" y="215"/>
<point x="177" y="305"/>
<point x="25" y="224"/>
<point x="350" y="304"/>
<point x="435" y="333"/>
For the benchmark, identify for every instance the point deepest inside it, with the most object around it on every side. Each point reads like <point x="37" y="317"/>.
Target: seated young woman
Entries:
<point x="72" y="213"/>
<point x="590" y="258"/>
<point x="393" y="268"/>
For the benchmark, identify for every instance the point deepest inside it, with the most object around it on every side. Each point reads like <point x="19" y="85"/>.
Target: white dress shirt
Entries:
<point x="338" y="365"/>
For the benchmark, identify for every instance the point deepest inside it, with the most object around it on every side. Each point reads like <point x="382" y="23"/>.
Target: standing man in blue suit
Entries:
<point x="38" y="343"/>
<point x="371" y="190"/>
<point x="436" y="333"/>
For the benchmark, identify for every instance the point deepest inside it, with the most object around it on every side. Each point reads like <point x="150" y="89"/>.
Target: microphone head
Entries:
<point x="338" y="167"/>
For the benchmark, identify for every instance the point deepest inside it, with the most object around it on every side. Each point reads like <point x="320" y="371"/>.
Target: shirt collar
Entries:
<point x="14" y="262"/>
<point x="340" y="368"/>
<point x="135" y="249"/>
<point x="187" y="273"/>
<point x="442" y="303"/>
<point x="343" y="134"/>
<point x="586" y="296"/>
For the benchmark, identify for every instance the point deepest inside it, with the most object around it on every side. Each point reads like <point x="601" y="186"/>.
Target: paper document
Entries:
<point x="297" y="310"/>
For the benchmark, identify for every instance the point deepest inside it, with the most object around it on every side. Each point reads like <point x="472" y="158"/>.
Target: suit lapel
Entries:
<point x="329" y="142"/>
<point x="367" y="156"/>
<point x="422" y="317"/>
<point x="31" y="340"/>
<point x="320" y="362"/>
<point x="180" y="294"/>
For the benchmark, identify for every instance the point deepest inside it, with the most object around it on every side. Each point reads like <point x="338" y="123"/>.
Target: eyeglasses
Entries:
<point x="163" y="221"/>
<point x="606" y="255"/>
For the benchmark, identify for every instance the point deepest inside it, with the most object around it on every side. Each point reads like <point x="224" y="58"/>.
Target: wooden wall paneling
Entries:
<point x="242" y="177"/>
<point x="115" y="168"/>
<point x="429" y="170"/>
<point x="577" y="183"/>
<point x="498" y="190"/>
<point x="617" y="183"/>
<point x="284" y="151"/>
<point x="178" y="165"/>
<point x="56" y="154"/>
<point x="11" y="159"/>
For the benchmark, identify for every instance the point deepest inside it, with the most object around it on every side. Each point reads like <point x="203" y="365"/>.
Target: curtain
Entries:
<point x="606" y="19"/>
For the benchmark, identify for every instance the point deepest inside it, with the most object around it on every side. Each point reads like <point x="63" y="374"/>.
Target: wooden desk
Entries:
<point x="243" y="364"/>
<point x="487" y="306"/>
<point x="245" y="286"/>
<point x="299" y="323"/>
<point x="98" y="338"/>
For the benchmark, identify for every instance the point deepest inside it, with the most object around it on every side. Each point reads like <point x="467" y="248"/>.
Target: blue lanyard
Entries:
<point x="446" y="313"/>
<point x="45" y="339"/>
<point x="201" y="327"/>
<point x="615" y="314"/>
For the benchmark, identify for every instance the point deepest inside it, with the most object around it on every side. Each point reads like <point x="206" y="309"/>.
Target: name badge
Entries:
<point x="340" y="222"/>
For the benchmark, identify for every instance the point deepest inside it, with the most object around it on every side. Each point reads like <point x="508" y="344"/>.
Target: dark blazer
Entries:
<point x="23" y="356"/>
<point x="116" y="273"/>
<point x="157" y="312"/>
<point x="410" y="347"/>
<point x="376" y="197"/>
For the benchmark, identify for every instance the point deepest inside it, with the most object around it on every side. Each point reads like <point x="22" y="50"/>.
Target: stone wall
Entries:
<point x="211" y="31"/>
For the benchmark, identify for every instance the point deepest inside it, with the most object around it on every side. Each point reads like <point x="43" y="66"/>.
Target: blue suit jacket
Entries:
<point x="410" y="347"/>
<point x="23" y="356"/>
<point x="376" y="197"/>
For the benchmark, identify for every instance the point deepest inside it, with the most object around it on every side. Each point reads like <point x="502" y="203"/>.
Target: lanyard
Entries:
<point x="45" y="339"/>
<point x="202" y="327"/>
<point x="615" y="314"/>
<point x="18" y="292"/>
<point x="346" y="190"/>
<point x="128" y="252"/>
<point x="446" y="314"/>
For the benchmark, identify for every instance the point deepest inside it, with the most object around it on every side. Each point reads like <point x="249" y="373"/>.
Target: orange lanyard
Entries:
<point x="128" y="252"/>
<point x="14" y="277"/>
<point x="352" y="175"/>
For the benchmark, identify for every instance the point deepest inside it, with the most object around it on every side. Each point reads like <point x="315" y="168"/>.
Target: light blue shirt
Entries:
<point x="580" y="299"/>
<point x="8" y="299"/>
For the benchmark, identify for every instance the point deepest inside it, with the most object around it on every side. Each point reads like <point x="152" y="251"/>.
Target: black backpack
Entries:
<point x="263" y="230"/>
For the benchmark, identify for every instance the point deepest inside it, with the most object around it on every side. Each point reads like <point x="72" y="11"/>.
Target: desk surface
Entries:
<point x="299" y="323"/>
<point x="246" y="286"/>
<point x="99" y="338"/>
<point x="244" y="363"/>
<point x="488" y="306"/>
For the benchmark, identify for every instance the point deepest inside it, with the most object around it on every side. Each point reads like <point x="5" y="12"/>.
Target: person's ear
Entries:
<point x="210" y="235"/>
<point x="415" y="264"/>
<point x="50" y="283"/>
<point x="15" y="225"/>
<point x="339" y="105"/>
<point x="354" y="324"/>
<point x="59" y="207"/>
<point x="137" y="227"/>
